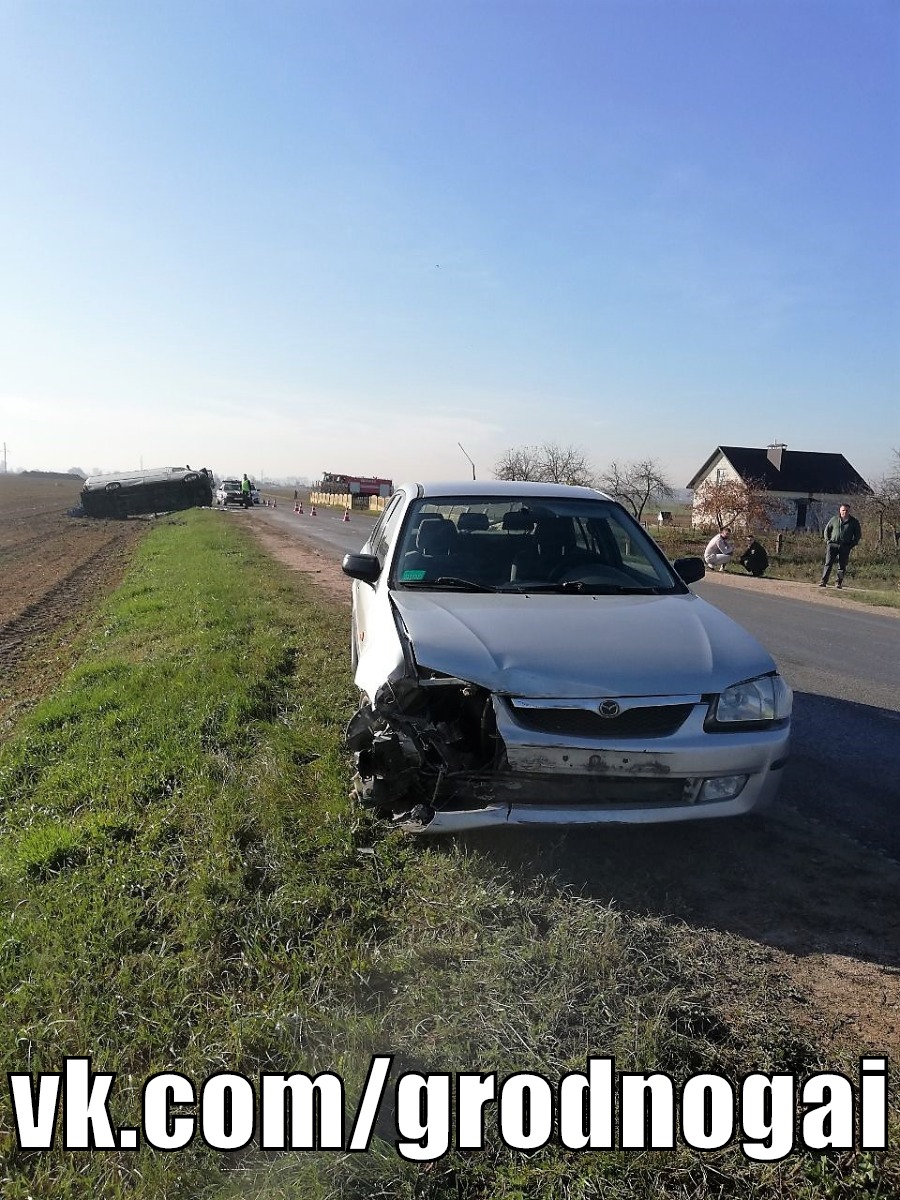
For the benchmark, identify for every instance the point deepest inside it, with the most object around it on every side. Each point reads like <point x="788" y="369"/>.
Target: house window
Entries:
<point x="802" y="506"/>
<point x="721" y="474"/>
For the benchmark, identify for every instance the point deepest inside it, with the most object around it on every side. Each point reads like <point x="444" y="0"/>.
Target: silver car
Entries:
<point x="525" y="654"/>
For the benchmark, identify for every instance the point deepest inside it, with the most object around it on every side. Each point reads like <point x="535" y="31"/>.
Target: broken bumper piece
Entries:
<point x="480" y="761"/>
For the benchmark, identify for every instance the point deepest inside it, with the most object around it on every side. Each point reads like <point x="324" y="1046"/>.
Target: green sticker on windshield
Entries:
<point x="412" y="575"/>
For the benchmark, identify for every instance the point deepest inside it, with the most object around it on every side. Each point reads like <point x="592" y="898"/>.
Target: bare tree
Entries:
<point x="547" y="463"/>
<point x="634" y="484"/>
<point x="739" y="502"/>
<point x="882" y="502"/>
<point x="519" y="463"/>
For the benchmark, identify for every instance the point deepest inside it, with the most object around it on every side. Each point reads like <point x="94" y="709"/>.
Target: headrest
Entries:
<point x="435" y="537"/>
<point x="520" y="520"/>
<point x="472" y="520"/>
<point x="425" y="516"/>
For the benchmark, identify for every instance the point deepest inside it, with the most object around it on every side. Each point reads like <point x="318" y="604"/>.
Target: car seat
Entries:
<point x="545" y="549"/>
<point x="435" y="542"/>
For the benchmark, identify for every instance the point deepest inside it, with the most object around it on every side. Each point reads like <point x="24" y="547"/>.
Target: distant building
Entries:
<point x="810" y="484"/>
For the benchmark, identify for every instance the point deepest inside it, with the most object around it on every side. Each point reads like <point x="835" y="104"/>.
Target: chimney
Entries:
<point x="774" y="453"/>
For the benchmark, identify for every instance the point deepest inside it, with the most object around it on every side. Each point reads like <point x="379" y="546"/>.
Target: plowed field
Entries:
<point x="52" y="566"/>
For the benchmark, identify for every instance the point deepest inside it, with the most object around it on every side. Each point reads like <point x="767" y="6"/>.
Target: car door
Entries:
<point x="374" y="641"/>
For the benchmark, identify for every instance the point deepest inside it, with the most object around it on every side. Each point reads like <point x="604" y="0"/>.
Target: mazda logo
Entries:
<point x="609" y="708"/>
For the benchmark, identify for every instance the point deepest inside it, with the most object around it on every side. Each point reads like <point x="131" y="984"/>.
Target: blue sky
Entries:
<point x="295" y="237"/>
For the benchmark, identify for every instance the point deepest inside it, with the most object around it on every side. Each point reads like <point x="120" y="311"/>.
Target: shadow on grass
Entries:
<point x="811" y="876"/>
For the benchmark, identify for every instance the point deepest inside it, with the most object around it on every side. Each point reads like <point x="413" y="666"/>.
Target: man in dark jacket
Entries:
<point x="842" y="533"/>
<point x="754" y="559"/>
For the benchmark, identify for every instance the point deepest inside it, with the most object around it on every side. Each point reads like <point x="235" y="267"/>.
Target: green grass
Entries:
<point x="183" y="886"/>
<point x="874" y="572"/>
<point x="878" y="599"/>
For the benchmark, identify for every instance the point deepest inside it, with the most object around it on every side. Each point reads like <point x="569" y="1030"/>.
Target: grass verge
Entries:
<point x="873" y="574"/>
<point x="877" y="599"/>
<point x="184" y="888"/>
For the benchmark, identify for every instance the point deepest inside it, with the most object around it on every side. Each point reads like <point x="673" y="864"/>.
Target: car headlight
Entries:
<point x="752" y="702"/>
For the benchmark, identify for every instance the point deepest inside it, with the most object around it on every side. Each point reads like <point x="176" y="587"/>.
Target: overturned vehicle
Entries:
<point x="161" y="489"/>
<point x="525" y="654"/>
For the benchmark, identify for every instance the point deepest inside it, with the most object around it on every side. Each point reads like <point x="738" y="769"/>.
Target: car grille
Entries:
<point x="597" y="791"/>
<point x="656" y="721"/>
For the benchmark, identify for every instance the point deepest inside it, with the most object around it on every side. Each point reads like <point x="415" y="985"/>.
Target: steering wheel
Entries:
<point x="566" y="572"/>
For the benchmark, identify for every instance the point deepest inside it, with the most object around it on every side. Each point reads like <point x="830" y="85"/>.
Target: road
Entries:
<point x="326" y="529"/>
<point x="844" y="667"/>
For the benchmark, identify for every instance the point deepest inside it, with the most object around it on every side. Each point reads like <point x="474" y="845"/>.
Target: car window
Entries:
<point x="384" y="532"/>
<point x="497" y="543"/>
<point x="375" y="535"/>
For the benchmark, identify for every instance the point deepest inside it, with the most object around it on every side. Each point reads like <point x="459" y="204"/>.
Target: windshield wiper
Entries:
<point x="581" y="587"/>
<point x="448" y="581"/>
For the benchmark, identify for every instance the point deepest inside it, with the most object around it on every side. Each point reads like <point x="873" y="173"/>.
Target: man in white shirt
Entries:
<point x="719" y="550"/>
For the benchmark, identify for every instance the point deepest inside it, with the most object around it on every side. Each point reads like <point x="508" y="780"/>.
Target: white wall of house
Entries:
<point x="819" y="508"/>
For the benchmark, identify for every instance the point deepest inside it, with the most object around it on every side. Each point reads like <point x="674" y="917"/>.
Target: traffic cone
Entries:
<point x="312" y="511"/>
<point x="300" y="509"/>
<point x="346" y="516"/>
<point x="296" y="508"/>
<point x="274" y="503"/>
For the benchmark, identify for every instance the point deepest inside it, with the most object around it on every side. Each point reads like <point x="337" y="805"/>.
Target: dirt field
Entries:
<point x="51" y="567"/>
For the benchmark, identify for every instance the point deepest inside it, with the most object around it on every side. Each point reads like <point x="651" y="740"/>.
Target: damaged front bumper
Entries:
<point x="440" y="755"/>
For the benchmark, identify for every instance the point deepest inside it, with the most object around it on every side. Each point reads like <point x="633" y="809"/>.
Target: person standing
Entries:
<point x="842" y="533"/>
<point x="245" y="491"/>
<point x="719" y="550"/>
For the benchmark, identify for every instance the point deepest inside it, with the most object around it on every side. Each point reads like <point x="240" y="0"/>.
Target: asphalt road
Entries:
<point x="844" y="667"/>
<point x="327" y="529"/>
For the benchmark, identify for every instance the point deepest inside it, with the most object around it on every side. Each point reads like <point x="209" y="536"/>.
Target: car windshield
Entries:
<point x="232" y="483"/>
<point x="510" y="544"/>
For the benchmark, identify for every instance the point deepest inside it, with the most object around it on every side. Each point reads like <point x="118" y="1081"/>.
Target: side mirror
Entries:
<point x="689" y="570"/>
<point x="361" y="566"/>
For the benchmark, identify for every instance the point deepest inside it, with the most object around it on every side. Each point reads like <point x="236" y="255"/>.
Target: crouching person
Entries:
<point x="719" y="550"/>
<point x="754" y="559"/>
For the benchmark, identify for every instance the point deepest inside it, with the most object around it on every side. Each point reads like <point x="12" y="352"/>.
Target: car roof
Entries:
<point x="501" y="488"/>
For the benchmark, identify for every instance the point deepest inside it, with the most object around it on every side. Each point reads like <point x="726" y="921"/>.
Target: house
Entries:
<point x="810" y="485"/>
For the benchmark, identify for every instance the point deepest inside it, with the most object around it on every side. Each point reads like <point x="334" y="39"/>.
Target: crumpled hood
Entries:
<point x="571" y="646"/>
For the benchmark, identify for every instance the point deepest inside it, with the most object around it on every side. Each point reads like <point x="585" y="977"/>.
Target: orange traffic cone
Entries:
<point x="274" y="503"/>
<point x="312" y="511"/>
<point x="346" y="516"/>
<point x="296" y="508"/>
<point x="300" y="509"/>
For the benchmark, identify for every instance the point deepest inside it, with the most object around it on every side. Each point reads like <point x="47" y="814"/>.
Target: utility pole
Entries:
<point x="473" y="465"/>
<point x="4" y="458"/>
